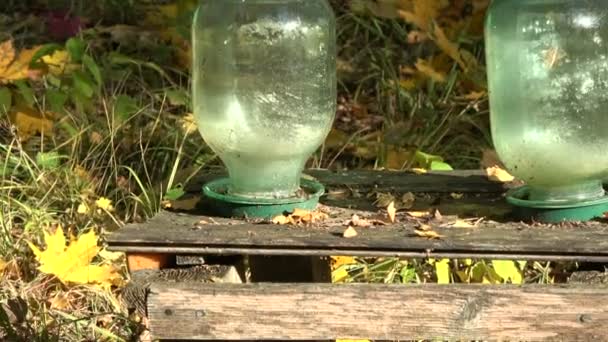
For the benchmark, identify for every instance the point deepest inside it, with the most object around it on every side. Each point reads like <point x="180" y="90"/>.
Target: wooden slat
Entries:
<point x="377" y="312"/>
<point x="465" y="181"/>
<point x="183" y="233"/>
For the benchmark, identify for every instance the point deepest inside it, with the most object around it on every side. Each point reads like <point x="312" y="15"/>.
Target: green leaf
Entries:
<point x="44" y="50"/>
<point x="124" y="107"/>
<point x="440" y="166"/>
<point x="76" y="48"/>
<point x="408" y="275"/>
<point x="178" y="97"/>
<point x="26" y="92"/>
<point x="6" y="99"/>
<point x="507" y="270"/>
<point x="93" y="69"/>
<point x="442" y="267"/>
<point x="56" y="100"/>
<point x="48" y="160"/>
<point x="175" y="193"/>
<point x="83" y="84"/>
<point x="425" y="160"/>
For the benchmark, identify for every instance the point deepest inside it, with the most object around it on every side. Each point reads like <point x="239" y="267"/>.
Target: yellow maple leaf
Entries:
<point x="59" y="62"/>
<point x="508" y="270"/>
<point x="29" y="121"/>
<point x="15" y="66"/>
<point x="72" y="263"/>
<point x="83" y="209"/>
<point x="104" y="204"/>
<point x="442" y="267"/>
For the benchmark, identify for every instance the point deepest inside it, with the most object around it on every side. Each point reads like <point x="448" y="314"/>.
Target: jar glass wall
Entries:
<point x="547" y="64"/>
<point x="264" y="88"/>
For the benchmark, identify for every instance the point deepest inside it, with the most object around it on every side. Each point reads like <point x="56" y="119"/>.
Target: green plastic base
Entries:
<point x="550" y="212"/>
<point x="227" y="205"/>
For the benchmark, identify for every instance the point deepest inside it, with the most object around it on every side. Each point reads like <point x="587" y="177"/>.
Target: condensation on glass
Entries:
<point x="264" y="88"/>
<point x="547" y="63"/>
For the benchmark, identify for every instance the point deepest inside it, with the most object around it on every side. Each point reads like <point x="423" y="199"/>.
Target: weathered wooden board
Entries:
<point x="177" y="233"/>
<point x="377" y="312"/>
<point x="436" y="181"/>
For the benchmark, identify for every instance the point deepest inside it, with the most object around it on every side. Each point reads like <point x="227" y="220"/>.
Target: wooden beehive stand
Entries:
<point x="288" y="295"/>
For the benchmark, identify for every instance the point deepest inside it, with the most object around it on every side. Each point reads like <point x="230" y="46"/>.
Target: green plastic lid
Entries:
<point x="227" y="205"/>
<point x="552" y="212"/>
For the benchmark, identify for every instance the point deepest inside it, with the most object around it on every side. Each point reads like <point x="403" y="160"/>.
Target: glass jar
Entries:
<point x="547" y="64"/>
<point x="264" y="88"/>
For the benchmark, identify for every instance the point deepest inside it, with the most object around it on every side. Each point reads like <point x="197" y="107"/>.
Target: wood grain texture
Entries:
<point x="465" y="181"/>
<point x="377" y="312"/>
<point x="176" y="233"/>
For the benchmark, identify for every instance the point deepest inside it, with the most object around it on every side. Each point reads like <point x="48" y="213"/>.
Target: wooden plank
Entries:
<point x="465" y="181"/>
<point x="177" y="233"/>
<point x="377" y="312"/>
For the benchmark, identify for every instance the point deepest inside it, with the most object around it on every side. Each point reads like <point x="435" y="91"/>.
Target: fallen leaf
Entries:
<point x="418" y="214"/>
<point x="281" y="219"/>
<point x="437" y="215"/>
<point x="60" y="301"/>
<point x="104" y="204"/>
<point x="359" y="222"/>
<point x="83" y="209"/>
<point x="2" y="265"/>
<point x="427" y="69"/>
<point x="442" y="269"/>
<point x="338" y="275"/>
<point x="424" y="227"/>
<point x="407" y="200"/>
<point x="383" y="199"/>
<point x="337" y="261"/>
<point x="507" y="270"/>
<point x="58" y="63"/>
<point x="419" y="171"/>
<point x="391" y="211"/>
<point x="460" y="223"/>
<point x="29" y="121"/>
<point x="350" y="232"/>
<point x="15" y="66"/>
<point x="111" y="256"/>
<point x="498" y="174"/>
<point x="188" y="123"/>
<point x="429" y="234"/>
<point x="456" y="195"/>
<point x="300" y="216"/>
<point x="72" y="263"/>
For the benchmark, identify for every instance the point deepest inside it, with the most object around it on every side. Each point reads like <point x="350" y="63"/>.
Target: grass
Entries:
<point x="131" y="142"/>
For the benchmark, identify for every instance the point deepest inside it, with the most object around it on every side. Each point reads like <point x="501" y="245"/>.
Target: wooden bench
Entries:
<point x="288" y="297"/>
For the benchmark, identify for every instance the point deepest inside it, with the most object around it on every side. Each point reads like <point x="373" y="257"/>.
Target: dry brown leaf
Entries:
<point x="427" y="69"/>
<point x="469" y="223"/>
<point x="455" y="195"/>
<point x="29" y="121"/>
<point x="391" y="211"/>
<point x="437" y="215"/>
<point x="383" y="199"/>
<point x="419" y="171"/>
<point x="407" y="200"/>
<point x="429" y="234"/>
<point x="423" y="226"/>
<point x="418" y="214"/>
<point x="350" y="232"/>
<point x="281" y="219"/>
<point x="300" y="216"/>
<point x="497" y="174"/>
<point x="15" y="66"/>
<point x="359" y="222"/>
